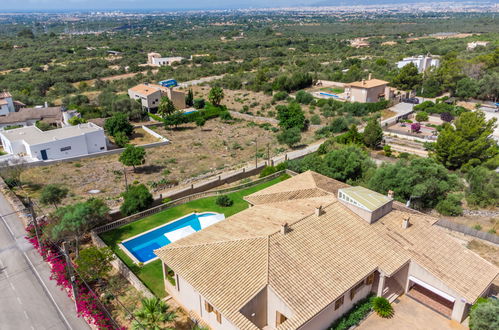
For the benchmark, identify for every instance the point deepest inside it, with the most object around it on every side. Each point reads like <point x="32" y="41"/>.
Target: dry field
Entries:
<point x="193" y="152"/>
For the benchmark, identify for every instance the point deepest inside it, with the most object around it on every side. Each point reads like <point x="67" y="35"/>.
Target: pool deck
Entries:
<point x="130" y="254"/>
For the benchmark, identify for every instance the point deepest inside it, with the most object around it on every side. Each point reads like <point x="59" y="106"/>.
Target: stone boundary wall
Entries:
<point x="468" y="231"/>
<point x="123" y="269"/>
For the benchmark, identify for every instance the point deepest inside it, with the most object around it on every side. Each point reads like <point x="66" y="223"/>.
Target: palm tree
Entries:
<point x="152" y="315"/>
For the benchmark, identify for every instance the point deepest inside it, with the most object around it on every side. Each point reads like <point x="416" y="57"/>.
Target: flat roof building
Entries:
<point x="58" y="143"/>
<point x="155" y="59"/>
<point x="421" y="62"/>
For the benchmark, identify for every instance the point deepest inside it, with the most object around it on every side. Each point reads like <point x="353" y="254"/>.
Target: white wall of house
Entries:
<point x="328" y="315"/>
<point x="191" y="300"/>
<point x="422" y="274"/>
<point x="12" y="147"/>
<point x="150" y="101"/>
<point x="276" y="304"/>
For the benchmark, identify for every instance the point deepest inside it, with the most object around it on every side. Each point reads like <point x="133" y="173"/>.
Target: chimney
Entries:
<point x="46" y="104"/>
<point x="284" y="228"/>
<point x="406" y="223"/>
<point x="363" y="81"/>
<point x="390" y="194"/>
<point x="319" y="211"/>
<point x="370" y="75"/>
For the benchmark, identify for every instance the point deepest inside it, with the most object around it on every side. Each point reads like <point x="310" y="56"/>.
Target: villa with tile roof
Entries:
<point x="308" y="249"/>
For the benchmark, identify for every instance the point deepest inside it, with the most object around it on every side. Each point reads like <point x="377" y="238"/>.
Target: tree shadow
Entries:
<point x="149" y="169"/>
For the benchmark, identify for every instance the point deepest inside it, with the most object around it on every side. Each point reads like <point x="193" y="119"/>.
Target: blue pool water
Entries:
<point x="331" y="95"/>
<point x="188" y="112"/>
<point x="142" y="247"/>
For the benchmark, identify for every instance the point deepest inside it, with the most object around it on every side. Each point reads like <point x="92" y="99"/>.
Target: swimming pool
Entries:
<point x="330" y="95"/>
<point x="140" y="248"/>
<point x="189" y="112"/>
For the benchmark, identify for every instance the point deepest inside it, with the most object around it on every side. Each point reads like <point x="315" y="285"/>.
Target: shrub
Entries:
<point x="388" y="150"/>
<point x="279" y="96"/>
<point x="422" y="116"/>
<point x="484" y="315"/>
<point x="304" y="97"/>
<point x="415" y="127"/>
<point x="198" y="103"/>
<point x="121" y="139"/>
<point x="118" y="123"/>
<point x="451" y="205"/>
<point x="136" y="198"/>
<point x="315" y="120"/>
<point x="382" y="307"/>
<point x="224" y="201"/>
<point x="446" y="116"/>
<point x="225" y="116"/>
<point x="290" y="136"/>
<point x="354" y="316"/>
<point x="267" y="170"/>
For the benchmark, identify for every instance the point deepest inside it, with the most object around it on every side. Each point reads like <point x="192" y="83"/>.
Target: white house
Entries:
<point x="475" y="44"/>
<point x="59" y="143"/>
<point x="155" y="59"/>
<point x="6" y="104"/>
<point x="422" y="62"/>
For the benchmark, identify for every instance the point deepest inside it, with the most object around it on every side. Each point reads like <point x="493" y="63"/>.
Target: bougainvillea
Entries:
<point x="87" y="303"/>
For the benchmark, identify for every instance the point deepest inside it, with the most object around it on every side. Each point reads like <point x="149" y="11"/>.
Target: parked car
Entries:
<point x="413" y="100"/>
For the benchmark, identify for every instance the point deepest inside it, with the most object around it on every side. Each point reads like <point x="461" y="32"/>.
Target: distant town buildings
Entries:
<point x="422" y="62"/>
<point x="150" y="96"/>
<point x="69" y="141"/>
<point x="365" y="91"/>
<point x="475" y="44"/>
<point x="155" y="59"/>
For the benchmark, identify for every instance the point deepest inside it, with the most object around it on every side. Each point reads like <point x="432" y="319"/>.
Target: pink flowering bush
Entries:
<point x="87" y="303"/>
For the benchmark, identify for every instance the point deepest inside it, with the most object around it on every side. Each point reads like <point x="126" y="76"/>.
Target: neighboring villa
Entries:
<point x="29" y="117"/>
<point x="59" y="143"/>
<point x="150" y="96"/>
<point x="8" y="105"/>
<point x="421" y="62"/>
<point x="475" y="44"/>
<point x="371" y="90"/>
<point x="155" y="59"/>
<point x="308" y="249"/>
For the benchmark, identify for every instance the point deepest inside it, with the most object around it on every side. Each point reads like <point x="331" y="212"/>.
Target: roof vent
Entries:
<point x="390" y="194"/>
<point x="319" y="210"/>
<point x="284" y="228"/>
<point x="406" y="223"/>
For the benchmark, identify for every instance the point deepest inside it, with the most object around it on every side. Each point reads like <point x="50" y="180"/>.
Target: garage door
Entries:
<point x="431" y="299"/>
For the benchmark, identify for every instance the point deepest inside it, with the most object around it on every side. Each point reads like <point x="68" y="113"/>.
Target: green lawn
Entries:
<point x="336" y="90"/>
<point x="151" y="274"/>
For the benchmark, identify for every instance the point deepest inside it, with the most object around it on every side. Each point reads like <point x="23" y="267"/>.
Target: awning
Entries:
<point x="180" y="233"/>
<point x="432" y="289"/>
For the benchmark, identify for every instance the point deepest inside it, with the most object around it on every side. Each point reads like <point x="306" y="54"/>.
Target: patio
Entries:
<point x="410" y="315"/>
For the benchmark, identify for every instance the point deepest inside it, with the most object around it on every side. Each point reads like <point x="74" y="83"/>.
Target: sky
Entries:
<point x="175" y="4"/>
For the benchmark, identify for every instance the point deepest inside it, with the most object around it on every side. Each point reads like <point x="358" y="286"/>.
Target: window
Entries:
<point x="66" y="148"/>
<point x="355" y="289"/>
<point x="280" y="318"/>
<point x="338" y="303"/>
<point x="208" y="307"/>
<point x="219" y="316"/>
<point x="370" y="279"/>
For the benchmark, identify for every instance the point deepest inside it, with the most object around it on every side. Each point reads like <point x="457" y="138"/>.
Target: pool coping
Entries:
<point x="130" y="254"/>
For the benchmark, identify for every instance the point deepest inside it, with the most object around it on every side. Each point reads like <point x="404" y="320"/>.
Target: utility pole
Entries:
<point x="71" y="273"/>
<point x="256" y="152"/>
<point x="31" y="210"/>
<point x="126" y="181"/>
<point x="268" y="154"/>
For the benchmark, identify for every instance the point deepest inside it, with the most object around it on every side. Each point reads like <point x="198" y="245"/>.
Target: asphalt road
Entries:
<point x="28" y="298"/>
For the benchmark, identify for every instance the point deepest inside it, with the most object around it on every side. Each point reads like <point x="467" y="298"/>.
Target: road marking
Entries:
<point x="26" y="315"/>
<point x="12" y="286"/>
<point x="19" y="300"/>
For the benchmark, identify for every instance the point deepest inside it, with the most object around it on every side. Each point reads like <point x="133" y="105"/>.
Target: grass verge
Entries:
<point x="151" y="274"/>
